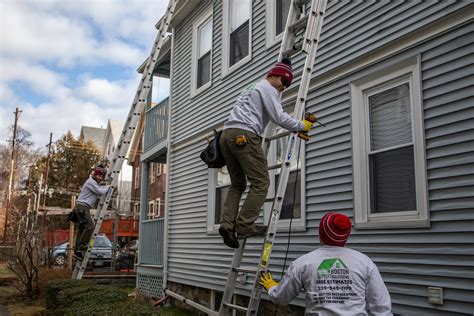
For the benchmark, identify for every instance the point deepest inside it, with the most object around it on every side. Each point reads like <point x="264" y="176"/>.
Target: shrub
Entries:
<point x="128" y="307"/>
<point x="46" y="275"/>
<point x="55" y="286"/>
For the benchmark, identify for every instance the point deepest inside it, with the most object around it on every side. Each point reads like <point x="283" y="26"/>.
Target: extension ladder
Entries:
<point x="299" y="20"/>
<point x="126" y="136"/>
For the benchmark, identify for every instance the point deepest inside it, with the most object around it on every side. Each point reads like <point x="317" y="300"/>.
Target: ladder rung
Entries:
<point x="299" y="24"/>
<point x="236" y="307"/>
<point x="244" y="270"/>
<point x="269" y="200"/>
<point x="276" y="136"/>
<point x="272" y="167"/>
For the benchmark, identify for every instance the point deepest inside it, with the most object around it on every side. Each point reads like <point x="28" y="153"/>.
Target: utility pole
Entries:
<point x="43" y="221"/>
<point x="12" y="176"/>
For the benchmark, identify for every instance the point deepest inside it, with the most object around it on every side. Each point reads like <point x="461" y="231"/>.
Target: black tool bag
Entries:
<point x="212" y="154"/>
<point x="72" y="216"/>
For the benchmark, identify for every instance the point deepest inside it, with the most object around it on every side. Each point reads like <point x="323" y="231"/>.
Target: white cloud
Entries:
<point x="41" y="41"/>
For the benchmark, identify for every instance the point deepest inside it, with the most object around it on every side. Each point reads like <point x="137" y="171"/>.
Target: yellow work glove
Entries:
<point x="307" y="125"/>
<point x="266" y="280"/>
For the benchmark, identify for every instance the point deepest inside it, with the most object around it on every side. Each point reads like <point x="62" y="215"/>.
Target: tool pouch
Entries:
<point x="241" y="140"/>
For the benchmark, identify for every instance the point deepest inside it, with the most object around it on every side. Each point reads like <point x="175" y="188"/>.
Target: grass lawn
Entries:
<point x="4" y="271"/>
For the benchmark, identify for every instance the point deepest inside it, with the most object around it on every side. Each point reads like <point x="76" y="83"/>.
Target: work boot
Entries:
<point x="229" y="237"/>
<point x="251" y="231"/>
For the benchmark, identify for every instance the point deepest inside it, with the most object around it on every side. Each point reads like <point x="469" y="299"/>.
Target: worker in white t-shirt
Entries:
<point x="337" y="280"/>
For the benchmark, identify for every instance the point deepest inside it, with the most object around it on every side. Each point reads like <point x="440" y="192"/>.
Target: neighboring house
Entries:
<point x="392" y="81"/>
<point x="111" y="139"/>
<point x="155" y="186"/>
<point x="95" y="134"/>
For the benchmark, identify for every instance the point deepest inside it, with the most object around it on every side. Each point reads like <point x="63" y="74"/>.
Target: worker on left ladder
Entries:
<point x="86" y="200"/>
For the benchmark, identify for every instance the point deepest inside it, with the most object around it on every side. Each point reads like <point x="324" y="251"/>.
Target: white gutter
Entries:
<point x="200" y="307"/>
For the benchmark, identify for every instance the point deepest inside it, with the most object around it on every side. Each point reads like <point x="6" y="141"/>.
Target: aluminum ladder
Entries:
<point x="126" y="136"/>
<point x="309" y="20"/>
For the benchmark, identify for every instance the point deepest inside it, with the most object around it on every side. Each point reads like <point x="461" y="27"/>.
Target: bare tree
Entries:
<point x="24" y="256"/>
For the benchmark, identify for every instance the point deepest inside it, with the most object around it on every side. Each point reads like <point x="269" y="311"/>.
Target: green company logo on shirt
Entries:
<point x="330" y="267"/>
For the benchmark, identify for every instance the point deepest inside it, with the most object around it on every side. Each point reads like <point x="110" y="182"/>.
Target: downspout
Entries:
<point x="143" y="204"/>
<point x="168" y="168"/>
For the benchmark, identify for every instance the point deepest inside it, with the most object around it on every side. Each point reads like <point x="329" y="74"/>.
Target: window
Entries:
<point x="151" y="210"/>
<point x="293" y="200"/>
<point x="202" y="51"/>
<point x="158" y="207"/>
<point x="158" y="169"/>
<point x="152" y="172"/>
<point x="137" y="178"/>
<point x="388" y="145"/>
<point x="222" y="187"/>
<point x="237" y="35"/>
<point x="136" y="208"/>
<point x="277" y="14"/>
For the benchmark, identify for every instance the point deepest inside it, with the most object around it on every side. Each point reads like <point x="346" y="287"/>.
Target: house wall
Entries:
<point x="409" y="260"/>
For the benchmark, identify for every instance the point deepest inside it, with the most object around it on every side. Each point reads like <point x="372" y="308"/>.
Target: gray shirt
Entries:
<point x="89" y="192"/>
<point x="337" y="281"/>
<point x="257" y="104"/>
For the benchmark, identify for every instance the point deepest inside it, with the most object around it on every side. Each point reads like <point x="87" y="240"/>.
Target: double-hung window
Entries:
<point x="293" y="208"/>
<point x="151" y="210"/>
<point x="236" y="33"/>
<point x="137" y="178"/>
<point x="388" y="146"/>
<point x="219" y="184"/>
<point x="277" y="13"/>
<point x="202" y="51"/>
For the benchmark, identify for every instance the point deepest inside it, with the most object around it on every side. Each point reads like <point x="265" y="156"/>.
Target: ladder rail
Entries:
<point x="309" y="46"/>
<point x="120" y="152"/>
<point x="313" y="32"/>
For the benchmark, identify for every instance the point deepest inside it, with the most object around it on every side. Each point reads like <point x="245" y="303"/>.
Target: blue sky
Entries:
<point x="68" y="63"/>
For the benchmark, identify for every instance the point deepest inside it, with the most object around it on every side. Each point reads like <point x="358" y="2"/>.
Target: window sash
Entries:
<point x="239" y="12"/>
<point x="239" y="44"/>
<point x="204" y="69"/>
<point x="281" y="14"/>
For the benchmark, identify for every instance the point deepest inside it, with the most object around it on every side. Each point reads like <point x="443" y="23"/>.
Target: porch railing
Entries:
<point x="156" y="124"/>
<point x="151" y="242"/>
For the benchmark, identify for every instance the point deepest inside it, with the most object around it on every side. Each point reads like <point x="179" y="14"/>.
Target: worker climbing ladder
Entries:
<point x="126" y="136"/>
<point x="301" y="19"/>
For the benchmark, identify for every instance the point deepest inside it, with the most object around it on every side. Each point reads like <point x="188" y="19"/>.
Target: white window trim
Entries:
<point x="409" y="71"/>
<point x="136" y="209"/>
<point x="151" y="211"/>
<point x="226" y="69"/>
<point x="158" y="207"/>
<point x="137" y="177"/>
<point x="270" y="30"/>
<point x="194" y="60"/>
<point x="159" y="171"/>
<point x="153" y="167"/>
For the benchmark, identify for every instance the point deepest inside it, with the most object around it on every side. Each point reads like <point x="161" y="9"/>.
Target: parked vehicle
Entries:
<point x="126" y="256"/>
<point x="101" y="254"/>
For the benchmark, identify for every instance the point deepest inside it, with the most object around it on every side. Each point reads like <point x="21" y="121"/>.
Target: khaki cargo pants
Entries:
<point x="245" y="162"/>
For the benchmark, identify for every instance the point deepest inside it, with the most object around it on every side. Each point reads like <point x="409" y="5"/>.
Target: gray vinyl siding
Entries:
<point x="409" y="260"/>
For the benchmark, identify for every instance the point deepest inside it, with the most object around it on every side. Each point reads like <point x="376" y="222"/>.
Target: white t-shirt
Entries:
<point x="337" y="281"/>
